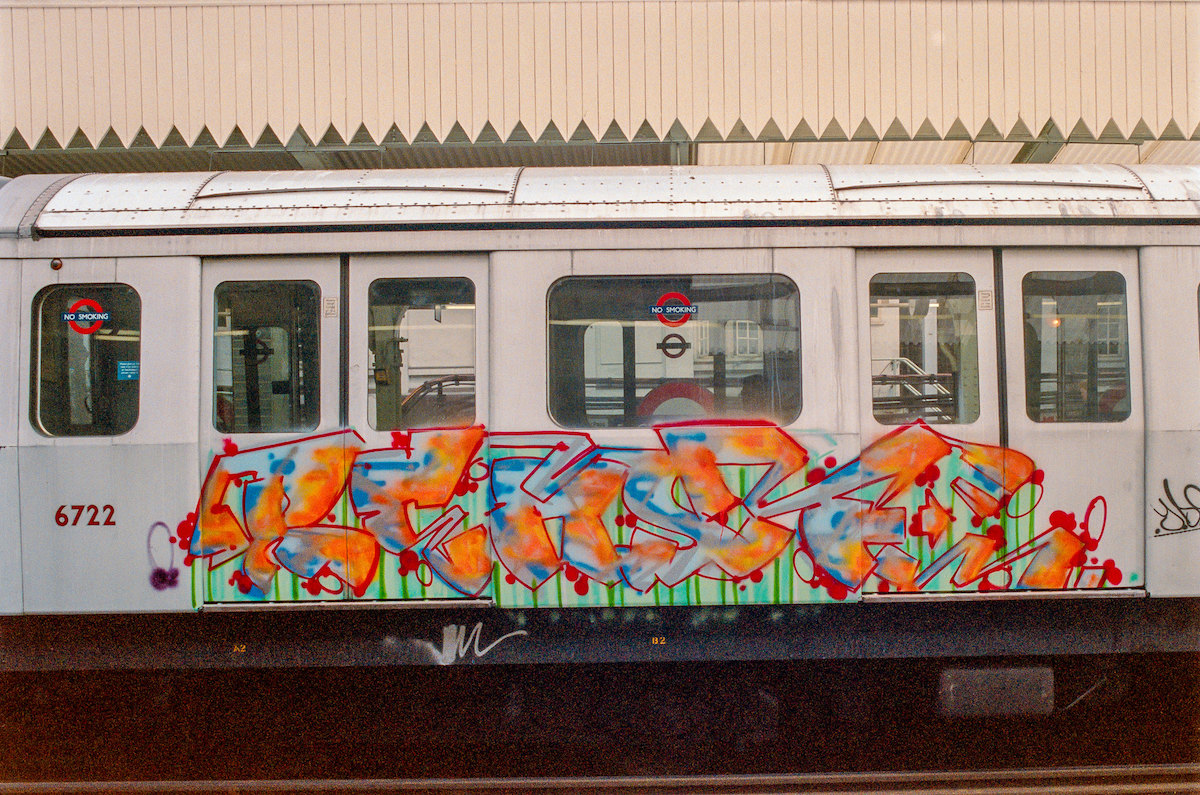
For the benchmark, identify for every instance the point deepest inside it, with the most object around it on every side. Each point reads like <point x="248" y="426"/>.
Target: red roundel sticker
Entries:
<point x="86" y="316"/>
<point x="673" y="309"/>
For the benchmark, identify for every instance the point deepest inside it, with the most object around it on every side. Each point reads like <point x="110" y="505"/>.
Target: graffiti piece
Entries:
<point x="458" y="553"/>
<point x="425" y="472"/>
<point x="854" y="524"/>
<point x="457" y="643"/>
<point x="273" y="504"/>
<point x="713" y="501"/>
<point x="1175" y="516"/>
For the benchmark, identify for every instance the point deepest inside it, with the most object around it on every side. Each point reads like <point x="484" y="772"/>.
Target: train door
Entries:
<point x="107" y="432"/>
<point x="1171" y="287"/>
<point x="931" y="472"/>
<point x="272" y="517"/>
<point x="10" y="520"/>
<point x="1073" y="358"/>
<point x="418" y="386"/>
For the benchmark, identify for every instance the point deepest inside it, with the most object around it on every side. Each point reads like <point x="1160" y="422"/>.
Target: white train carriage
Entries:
<point x="675" y="394"/>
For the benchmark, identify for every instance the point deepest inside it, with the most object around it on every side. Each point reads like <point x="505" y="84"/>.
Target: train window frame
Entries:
<point x="1091" y="405"/>
<point x="629" y="303"/>
<point x="76" y="324"/>
<point x="940" y="392"/>
<point x="446" y="394"/>
<point x="303" y="364"/>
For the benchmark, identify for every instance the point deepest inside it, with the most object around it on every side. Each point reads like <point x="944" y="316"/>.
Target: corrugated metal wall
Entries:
<point x="695" y="69"/>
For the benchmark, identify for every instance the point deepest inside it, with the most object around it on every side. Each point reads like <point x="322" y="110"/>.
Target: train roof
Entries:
<point x="241" y="201"/>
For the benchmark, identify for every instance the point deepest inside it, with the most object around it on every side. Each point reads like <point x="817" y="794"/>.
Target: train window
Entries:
<point x="924" y="348"/>
<point x="266" y="357"/>
<point x="1076" y="346"/>
<point x="422" y="349"/>
<point x="86" y="359"/>
<point x="628" y="351"/>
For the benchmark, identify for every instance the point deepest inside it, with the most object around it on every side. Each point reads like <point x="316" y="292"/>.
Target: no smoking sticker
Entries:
<point x="673" y="309"/>
<point x="86" y="316"/>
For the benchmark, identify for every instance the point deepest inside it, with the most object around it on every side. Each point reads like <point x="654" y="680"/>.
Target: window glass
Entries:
<point x="422" y="349"/>
<point x="266" y="357"/>
<point x="630" y="351"/>
<point x="1076" y="346"/>
<point x="86" y="359"/>
<point x="924" y="348"/>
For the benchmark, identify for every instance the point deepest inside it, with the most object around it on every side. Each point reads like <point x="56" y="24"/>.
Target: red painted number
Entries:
<point x="96" y="516"/>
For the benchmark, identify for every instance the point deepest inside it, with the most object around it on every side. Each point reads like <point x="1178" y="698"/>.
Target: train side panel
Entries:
<point x="1170" y="278"/>
<point x="10" y="517"/>
<point x="107" y="432"/>
<point x="1074" y="374"/>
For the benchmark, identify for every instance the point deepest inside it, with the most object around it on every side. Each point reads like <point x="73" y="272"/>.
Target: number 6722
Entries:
<point x="89" y="515"/>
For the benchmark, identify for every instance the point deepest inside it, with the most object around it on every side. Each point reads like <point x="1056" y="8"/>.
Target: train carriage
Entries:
<point x="663" y="413"/>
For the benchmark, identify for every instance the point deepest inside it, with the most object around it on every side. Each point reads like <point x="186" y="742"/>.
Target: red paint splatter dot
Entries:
<point x="1112" y="575"/>
<point x="571" y="573"/>
<point x="987" y="585"/>
<point x="474" y="487"/>
<point x="330" y="518"/>
<point x="620" y="520"/>
<point x="741" y="587"/>
<point x="510" y="578"/>
<point x="976" y="521"/>
<point x="756" y="575"/>
<point x="814" y="476"/>
<point x="996" y="534"/>
<point x="1096" y="560"/>
<point x="1078" y="559"/>
<point x="409" y="561"/>
<point x="581" y="586"/>
<point x="229" y="448"/>
<point x="928" y="476"/>
<point x="460" y="489"/>
<point x="242" y="582"/>
<point x="185" y="530"/>
<point x="835" y="589"/>
<point x="312" y="586"/>
<point x="830" y="462"/>
<point x="1063" y="519"/>
<point x="885" y="586"/>
<point x="1038" y="477"/>
<point x="187" y="559"/>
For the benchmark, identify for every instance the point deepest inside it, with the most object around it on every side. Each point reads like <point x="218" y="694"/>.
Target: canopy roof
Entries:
<point x="273" y="84"/>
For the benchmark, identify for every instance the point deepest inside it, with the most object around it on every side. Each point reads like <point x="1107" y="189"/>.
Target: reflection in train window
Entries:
<point x="422" y="349"/>
<point x="924" y="348"/>
<point x="266" y="357"/>
<point x="631" y="351"/>
<point x="1076" y="346"/>
<point x="86" y="361"/>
